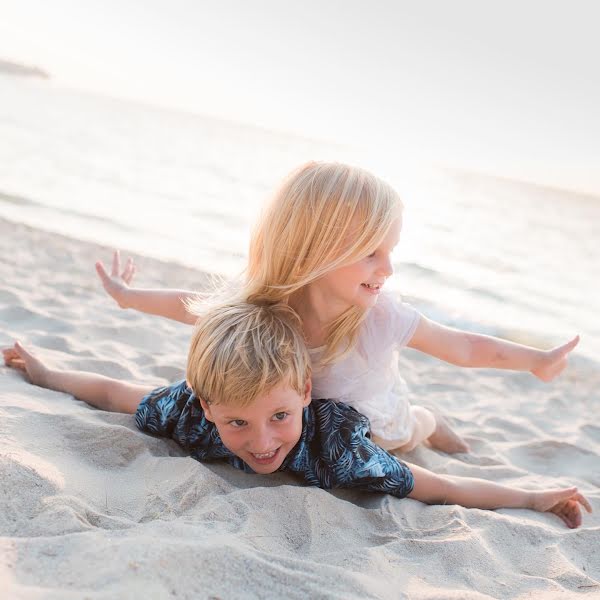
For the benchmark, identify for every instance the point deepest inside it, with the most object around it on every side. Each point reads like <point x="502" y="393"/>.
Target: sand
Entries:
<point x="92" y="508"/>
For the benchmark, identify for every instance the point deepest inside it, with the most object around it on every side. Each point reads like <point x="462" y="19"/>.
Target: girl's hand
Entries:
<point x="553" y="362"/>
<point x="115" y="284"/>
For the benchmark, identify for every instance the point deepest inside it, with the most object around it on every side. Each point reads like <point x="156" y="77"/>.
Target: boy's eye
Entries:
<point x="280" y="416"/>
<point x="237" y="423"/>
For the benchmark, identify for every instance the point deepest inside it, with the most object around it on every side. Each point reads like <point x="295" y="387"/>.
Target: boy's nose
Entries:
<point x="263" y="442"/>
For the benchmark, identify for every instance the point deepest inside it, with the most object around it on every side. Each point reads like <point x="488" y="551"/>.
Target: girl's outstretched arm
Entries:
<point x="477" y="350"/>
<point x="470" y="492"/>
<point x="164" y="303"/>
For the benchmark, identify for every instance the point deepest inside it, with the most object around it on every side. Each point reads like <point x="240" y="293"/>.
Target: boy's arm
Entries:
<point x="164" y="303"/>
<point x="476" y="350"/>
<point x="471" y="492"/>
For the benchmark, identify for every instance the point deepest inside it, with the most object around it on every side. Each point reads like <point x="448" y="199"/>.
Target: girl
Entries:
<point x="323" y="246"/>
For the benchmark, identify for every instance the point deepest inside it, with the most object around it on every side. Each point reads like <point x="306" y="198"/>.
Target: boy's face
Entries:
<point x="263" y="433"/>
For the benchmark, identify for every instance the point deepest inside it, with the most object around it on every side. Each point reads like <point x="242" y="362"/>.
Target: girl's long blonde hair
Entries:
<point x="324" y="216"/>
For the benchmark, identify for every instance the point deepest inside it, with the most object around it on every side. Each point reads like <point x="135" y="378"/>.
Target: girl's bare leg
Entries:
<point x="435" y="430"/>
<point x="444" y="438"/>
<point x="99" y="391"/>
<point x="479" y="493"/>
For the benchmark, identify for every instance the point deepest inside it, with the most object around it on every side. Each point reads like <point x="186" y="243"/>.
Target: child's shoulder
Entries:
<point x="391" y="319"/>
<point x="390" y="304"/>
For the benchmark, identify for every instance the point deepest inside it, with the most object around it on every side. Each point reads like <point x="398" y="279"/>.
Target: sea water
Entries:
<point x="491" y="254"/>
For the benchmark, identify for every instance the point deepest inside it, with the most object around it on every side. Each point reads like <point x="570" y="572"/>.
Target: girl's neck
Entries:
<point x="316" y="314"/>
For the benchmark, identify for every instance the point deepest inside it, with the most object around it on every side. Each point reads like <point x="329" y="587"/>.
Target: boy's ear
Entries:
<point x="307" y="392"/>
<point x="206" y="408"/>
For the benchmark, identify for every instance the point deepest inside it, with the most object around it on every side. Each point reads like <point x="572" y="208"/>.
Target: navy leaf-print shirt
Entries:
<point x="334" y="450"/>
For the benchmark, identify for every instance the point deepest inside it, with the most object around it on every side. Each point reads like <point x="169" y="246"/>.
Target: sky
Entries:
<point x="509" y="88"/>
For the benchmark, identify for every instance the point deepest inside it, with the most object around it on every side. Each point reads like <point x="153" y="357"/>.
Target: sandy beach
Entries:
<point x="92" y="508"/>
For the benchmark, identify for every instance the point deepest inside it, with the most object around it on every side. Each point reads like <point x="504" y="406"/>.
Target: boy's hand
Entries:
<point x="16" y="357"/>
<point x="565" y="503"/>
<point x="553" y="362"/>
<point x="115" y="284"/>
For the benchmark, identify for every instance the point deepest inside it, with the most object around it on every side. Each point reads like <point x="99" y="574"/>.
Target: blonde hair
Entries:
<point x="240" y="351"/>
<point x="324" y="216"/>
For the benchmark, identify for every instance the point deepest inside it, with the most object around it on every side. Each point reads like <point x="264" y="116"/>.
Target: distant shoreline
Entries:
<point x="11" y="68"/>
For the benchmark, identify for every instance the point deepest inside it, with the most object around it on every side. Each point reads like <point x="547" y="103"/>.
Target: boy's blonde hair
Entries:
<point x="240" y="351"/>
<point x="324" y="216"/>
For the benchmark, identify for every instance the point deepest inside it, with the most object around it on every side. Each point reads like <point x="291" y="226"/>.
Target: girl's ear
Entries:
<point x="307" y="392"/>
<point x="206" y="408"/>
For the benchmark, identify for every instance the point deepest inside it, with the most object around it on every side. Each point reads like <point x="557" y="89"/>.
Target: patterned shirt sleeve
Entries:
<point x="175" y="412"/>
<point x="339" y="453"/>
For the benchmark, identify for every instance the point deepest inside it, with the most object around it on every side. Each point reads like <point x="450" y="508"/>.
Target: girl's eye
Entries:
<point x="372" y="255"/>
<point x="280" y="416"/>
<point x="237" y="423"/>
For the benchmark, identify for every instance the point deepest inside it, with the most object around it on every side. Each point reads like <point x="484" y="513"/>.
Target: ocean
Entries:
<point x="490" y="254"/>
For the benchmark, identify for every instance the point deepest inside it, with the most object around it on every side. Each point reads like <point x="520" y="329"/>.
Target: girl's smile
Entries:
<point x="359" y="283"/>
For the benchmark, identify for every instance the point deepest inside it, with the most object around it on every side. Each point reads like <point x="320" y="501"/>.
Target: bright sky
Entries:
<point x="509" y="87"/>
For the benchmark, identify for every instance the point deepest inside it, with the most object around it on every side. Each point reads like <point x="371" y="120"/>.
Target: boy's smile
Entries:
<point x="263" y="433"/>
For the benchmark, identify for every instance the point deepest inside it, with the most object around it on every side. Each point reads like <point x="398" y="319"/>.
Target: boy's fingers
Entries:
<point x="566" y="493"/>
<point x="16" y="363"/>
<point x="21" y="351"/>
<point x="116" y="264"/>
<point x="9" y="354"/>
<point x="575" y="516"/>
<point x="584" y="502"/>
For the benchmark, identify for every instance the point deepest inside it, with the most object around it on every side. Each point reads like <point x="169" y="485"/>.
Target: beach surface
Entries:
<point x="92" y="508"/>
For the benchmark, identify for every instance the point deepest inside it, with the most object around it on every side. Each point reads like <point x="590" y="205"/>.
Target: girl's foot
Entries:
<point x="444" y="438"/>
<point x="565" y="503"/>
<point x="19" y="358"/>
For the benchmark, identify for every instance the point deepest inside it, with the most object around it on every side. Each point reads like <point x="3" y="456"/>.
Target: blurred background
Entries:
<point x="161" y="127"/>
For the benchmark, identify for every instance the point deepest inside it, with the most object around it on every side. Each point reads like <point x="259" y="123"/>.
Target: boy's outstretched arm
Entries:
<point x="164" y="303"/>
<point x="476" y="350"/>
<point x="470" y="492"/>
<point x="102" y="392"/>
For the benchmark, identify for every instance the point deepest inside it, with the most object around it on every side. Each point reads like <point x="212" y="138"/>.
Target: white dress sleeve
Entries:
<point x="393" y="322"/>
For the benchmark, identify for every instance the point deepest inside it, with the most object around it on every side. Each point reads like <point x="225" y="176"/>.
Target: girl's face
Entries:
<point x="360" y="283"/>
<point x="263" y="433"/>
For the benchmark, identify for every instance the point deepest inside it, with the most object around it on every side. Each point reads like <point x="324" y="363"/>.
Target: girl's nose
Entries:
<point x="386" y="268"/>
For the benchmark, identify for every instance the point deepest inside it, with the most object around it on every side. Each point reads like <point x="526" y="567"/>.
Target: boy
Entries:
<point x="247" y="400"/>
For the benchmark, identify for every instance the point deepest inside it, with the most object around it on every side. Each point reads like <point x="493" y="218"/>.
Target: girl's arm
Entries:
<point x="164" y="303"/>
<point x="470" y="492"/>
<point x="476" y="350"/>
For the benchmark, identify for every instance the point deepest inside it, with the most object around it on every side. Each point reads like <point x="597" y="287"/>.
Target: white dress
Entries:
<point x="368" y="378"/>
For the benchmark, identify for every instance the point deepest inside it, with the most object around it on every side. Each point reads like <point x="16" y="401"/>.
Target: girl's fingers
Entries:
<point x="128" y="271"/>
<point x="116" y="264"/>
<point x="566" y="348"/>
<point x="101" y="270"/>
